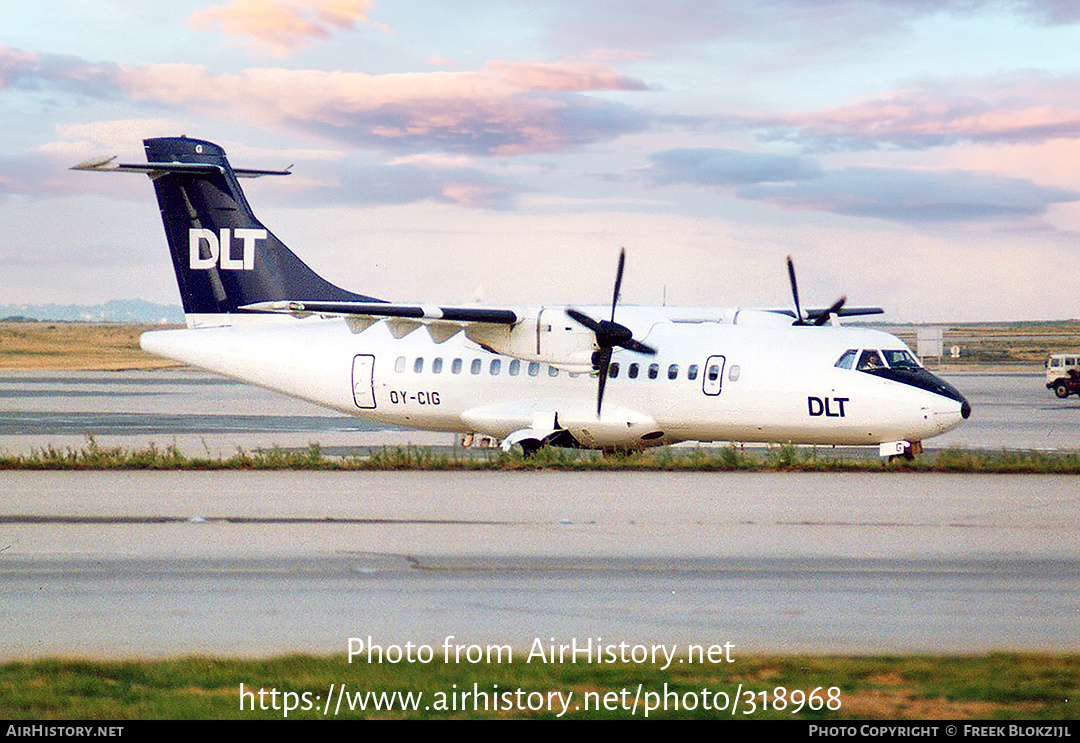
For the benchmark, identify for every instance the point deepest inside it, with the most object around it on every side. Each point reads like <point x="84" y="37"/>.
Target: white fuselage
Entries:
<point x="715" y="380"/>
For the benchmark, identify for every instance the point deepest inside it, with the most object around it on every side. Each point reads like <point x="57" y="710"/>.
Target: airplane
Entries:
<point x="528" y="377"/>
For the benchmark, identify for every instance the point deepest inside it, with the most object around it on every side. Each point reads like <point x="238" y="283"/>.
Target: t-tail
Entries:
<point x="224" y="257"/>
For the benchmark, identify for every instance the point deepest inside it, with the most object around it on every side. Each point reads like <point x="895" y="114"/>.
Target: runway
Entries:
<point x="256" y="563"/>
<point x="118" y="564"/>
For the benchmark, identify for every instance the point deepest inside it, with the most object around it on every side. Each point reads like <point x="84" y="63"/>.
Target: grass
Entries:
<point x="995" y="686"/>
<point x="782" y="458"/>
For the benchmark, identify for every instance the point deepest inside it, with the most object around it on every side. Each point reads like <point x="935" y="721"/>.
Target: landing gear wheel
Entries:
<point x="529" y="447"/>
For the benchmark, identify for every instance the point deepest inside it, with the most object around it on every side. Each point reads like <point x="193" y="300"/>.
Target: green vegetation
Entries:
<point x="997" y="686"/>
<point x="700" y="459"/>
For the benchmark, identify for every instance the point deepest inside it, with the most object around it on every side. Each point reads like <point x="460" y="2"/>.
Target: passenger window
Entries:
<point x="534" y="368"/>
<point x="418" y="365"/>
<point x="496" y="366"/>
<point x="691" y="373"/>
<point x="474" y="368"/>
<point x="613" y="369"/>
<point x="436" y="366"/>
<point x="399" y="365"/>
<point x="847" y="358"/>
<point x="515" y="367"/>
<point x="733" y="375"/>
<point x="455" y="368"/>
<point x="553" y="371"/>
<point x="632" y="371"/>
<point x="654" y="371"/>
<point x="673" y="371"/>
<point x="870" y="361"/>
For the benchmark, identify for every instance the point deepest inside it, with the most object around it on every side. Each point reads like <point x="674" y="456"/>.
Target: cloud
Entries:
<point x="1030" y="108"/>
<point x="707" y="166"/>
<point x="395" y="183"/>
<point x="908" y="195"/>
<point x="808" y="27"/>
<point x="46" y="174"/>
<point x="505" y="108"/>
<point x="280" y="27"/>
<point x="898" y="194"/>
<point x="1051" y="12"/>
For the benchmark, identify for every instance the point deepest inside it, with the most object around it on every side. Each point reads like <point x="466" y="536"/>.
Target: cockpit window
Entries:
<point x="848" y="358"/>
<point x="900" y="360"/>
<point x="870" y="361"/>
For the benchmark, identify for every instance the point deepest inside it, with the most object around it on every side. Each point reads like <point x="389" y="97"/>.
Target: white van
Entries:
<point x="1058" y="367"/>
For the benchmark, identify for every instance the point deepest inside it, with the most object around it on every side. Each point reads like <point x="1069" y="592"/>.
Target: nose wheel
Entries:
<point x="905" y="450"/>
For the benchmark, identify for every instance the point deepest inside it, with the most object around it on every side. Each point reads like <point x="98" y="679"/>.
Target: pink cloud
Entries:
<point x="564" y="76"/>
<point x="505" y="108"/>
<point x="282" y="26"/>
<point x="916" y="119"/>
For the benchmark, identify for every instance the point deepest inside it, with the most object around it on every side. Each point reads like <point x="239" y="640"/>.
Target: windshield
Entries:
<point x="869" y="361"/>
<point x="847" y="359"/>
<point x="900" y="360"/>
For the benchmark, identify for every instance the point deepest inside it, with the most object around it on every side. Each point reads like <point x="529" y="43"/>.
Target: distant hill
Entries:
<point x="116" y="310"/>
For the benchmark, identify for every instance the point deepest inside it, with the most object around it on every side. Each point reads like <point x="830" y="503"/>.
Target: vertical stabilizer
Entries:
<point x="224" y="257"/>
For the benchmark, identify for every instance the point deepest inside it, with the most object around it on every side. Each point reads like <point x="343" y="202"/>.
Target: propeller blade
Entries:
<point x="618" y="282"/>
<point x="604" y="364"/>
<point x="795" y="292"/>
<point x="833" y="309"/>
<point x="583" y="319"/>
<point x="636" y="345"/>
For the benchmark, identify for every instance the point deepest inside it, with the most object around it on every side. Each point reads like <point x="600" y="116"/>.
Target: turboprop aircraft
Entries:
<point x="528" y="376"/>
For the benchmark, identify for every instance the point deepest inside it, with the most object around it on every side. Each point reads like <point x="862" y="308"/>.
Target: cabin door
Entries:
<point x="363" y="374"/>
<point x="713" y="377"/>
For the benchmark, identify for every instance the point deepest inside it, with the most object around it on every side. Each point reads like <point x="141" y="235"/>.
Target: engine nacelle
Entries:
<point x="548" y="336"/>
<point x="762" y="318"/>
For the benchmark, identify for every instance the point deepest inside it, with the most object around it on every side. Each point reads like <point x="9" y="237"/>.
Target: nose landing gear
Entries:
<point x="900" y="449"/>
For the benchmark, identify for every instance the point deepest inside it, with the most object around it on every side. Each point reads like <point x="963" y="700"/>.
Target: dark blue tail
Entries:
<point x="223" y="256"/>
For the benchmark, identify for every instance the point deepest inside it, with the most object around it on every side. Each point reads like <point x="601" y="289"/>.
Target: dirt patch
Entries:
<point x="76" y="347"/>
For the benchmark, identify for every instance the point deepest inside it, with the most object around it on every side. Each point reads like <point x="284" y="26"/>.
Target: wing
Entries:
<point x="814" y="314"/>
<point x="442" y="323"/>
<point x="424" y="314"/>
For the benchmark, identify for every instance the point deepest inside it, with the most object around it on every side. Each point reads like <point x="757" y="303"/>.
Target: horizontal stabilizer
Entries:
<point x="106" y="165"/>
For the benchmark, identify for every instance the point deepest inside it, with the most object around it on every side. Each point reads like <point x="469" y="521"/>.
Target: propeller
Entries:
<point x="819" y="318"/>
<point x="795" y="292"/>
<point x="609" y="334"/>
<point x="834" y="308"/>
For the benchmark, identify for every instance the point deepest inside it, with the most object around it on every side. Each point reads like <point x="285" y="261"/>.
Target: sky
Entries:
<point x="919" y="156"/>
